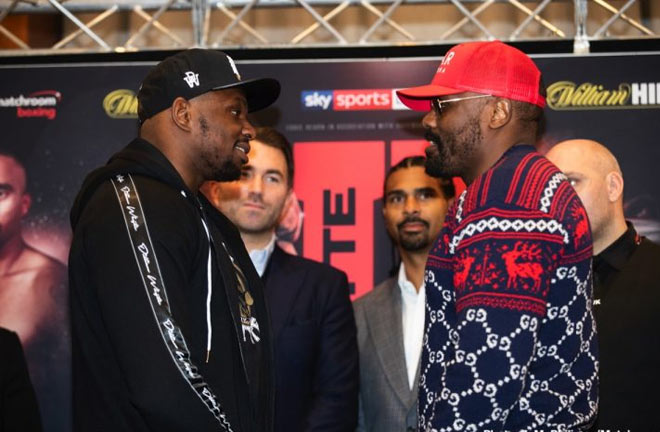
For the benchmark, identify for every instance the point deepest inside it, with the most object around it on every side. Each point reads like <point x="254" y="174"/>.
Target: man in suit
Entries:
<point x="626" y="289"/>
<point x="314" y="332"/>
<point x="390" y="319"/>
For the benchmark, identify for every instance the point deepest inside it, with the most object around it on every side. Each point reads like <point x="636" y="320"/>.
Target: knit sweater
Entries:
<point x="510" y="340"/>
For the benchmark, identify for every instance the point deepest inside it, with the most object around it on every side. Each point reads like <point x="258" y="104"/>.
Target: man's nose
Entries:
<point x="254" y="185"/>
<point x="248" y="130"/>
<point x="411" y="205"/>
<point x="430" y="120"/>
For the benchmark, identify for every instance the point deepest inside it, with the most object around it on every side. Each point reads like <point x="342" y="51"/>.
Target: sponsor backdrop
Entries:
<point x="347" y="127"/>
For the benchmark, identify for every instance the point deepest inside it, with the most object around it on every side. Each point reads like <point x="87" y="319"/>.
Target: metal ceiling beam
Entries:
<point x="202" y="33"/>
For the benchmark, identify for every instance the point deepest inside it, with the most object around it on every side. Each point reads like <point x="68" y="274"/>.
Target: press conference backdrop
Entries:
<point x="347" y="127"/>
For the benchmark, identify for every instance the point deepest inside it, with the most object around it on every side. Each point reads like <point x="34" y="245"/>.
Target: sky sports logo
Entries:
<point x="351" y="100"/>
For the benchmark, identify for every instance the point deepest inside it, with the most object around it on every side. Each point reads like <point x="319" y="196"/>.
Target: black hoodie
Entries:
<point x="140" y="347"/>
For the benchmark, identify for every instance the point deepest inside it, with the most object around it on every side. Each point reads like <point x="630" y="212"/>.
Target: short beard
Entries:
<point x="453" y="155"/>
<point x="228" y="171"/>
<point x="414" y="244"/>
<point x="220" y="169"/>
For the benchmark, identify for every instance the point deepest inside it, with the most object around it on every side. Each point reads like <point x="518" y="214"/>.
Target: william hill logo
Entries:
<point x="567" y="95"/>
<point x="121" y="104"/>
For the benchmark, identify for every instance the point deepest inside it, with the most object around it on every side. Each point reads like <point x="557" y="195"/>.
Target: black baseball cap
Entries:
<point x="194" y="72"/>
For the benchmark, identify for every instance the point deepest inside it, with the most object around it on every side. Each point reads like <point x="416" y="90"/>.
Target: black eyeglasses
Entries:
<point x="437" y="103"/>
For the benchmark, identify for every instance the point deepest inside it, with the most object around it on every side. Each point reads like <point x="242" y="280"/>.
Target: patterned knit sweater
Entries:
<point x="510" y="339"/>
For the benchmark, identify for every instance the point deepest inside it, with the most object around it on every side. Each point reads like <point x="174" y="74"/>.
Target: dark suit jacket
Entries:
<point x="387" y="404"/>
<point x="629" y="343"/>
<point x="316" y="357"/>
<point x="18" y="405"/>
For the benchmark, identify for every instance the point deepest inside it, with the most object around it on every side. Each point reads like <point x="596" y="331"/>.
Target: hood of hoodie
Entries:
<point x="139" y="158"/>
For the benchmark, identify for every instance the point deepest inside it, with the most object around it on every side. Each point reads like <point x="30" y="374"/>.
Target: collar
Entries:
<point x="260" y="257"/>
<point x="138" y="158"/>
<point x="617" y="254"/>
<point x="515" y="149"/>
<point x="407" y="288"/>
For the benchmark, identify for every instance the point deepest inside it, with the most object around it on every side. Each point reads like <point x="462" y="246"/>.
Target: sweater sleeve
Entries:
<point x="139" y="345"/>
<point x="482" y="323"/>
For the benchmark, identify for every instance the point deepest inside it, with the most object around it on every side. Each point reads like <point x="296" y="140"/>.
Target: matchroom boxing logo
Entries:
<point x="38" y="104"/>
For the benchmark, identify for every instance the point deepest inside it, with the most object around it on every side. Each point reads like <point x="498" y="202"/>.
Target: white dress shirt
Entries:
<point x="260" y="257"/>
<point x="412" y="311"/>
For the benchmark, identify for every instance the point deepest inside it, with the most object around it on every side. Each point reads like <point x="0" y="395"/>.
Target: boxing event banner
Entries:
<point x="58" y="122"/>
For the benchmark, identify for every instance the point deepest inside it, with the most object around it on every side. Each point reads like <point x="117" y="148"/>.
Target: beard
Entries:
<point x="452" y="154"/>
<point x="417" y="241"/>
<point x="218" y="166"/>
<point x="227" y="171"/>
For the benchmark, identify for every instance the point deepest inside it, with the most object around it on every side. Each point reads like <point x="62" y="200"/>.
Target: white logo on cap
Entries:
<point x="445" y="62"/>
<point x="233" y="67"/>
<point x="192" y="79"/>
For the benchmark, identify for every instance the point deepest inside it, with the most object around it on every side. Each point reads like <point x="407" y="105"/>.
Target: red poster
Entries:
<point x="338" y="183"/>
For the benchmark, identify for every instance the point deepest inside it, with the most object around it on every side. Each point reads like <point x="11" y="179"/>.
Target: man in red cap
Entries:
<point x="509" y="339"/>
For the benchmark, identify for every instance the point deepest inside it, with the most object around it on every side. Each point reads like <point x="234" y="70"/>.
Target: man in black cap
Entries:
<point x="170" y="329"/>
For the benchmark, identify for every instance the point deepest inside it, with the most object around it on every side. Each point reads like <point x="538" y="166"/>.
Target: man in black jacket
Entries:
<point x="314" y="335"/>
<point x="626" y="290"/>
<point x="170" y="328"/>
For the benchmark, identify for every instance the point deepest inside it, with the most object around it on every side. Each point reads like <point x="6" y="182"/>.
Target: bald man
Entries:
<point x="626" y="290"/>
<point x="33" y="299"/>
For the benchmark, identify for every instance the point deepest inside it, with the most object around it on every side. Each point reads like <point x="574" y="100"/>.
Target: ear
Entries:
<point x="26" y="202"/>
<point x="501" y="113"/>
<point x="614" y="183"/>
<point x="182" y="114"/>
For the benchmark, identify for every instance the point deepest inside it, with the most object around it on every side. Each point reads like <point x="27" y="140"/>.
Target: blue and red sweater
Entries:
<point x="510" y="339"/>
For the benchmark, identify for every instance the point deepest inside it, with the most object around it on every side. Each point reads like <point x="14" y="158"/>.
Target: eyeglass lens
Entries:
<point x="437" y="106"/>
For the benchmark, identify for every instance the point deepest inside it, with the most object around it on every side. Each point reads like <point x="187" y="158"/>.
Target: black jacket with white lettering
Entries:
<point x="126" y="376"/>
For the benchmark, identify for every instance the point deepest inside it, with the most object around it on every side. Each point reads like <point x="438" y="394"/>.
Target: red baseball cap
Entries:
<point x="492" y="68"/>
